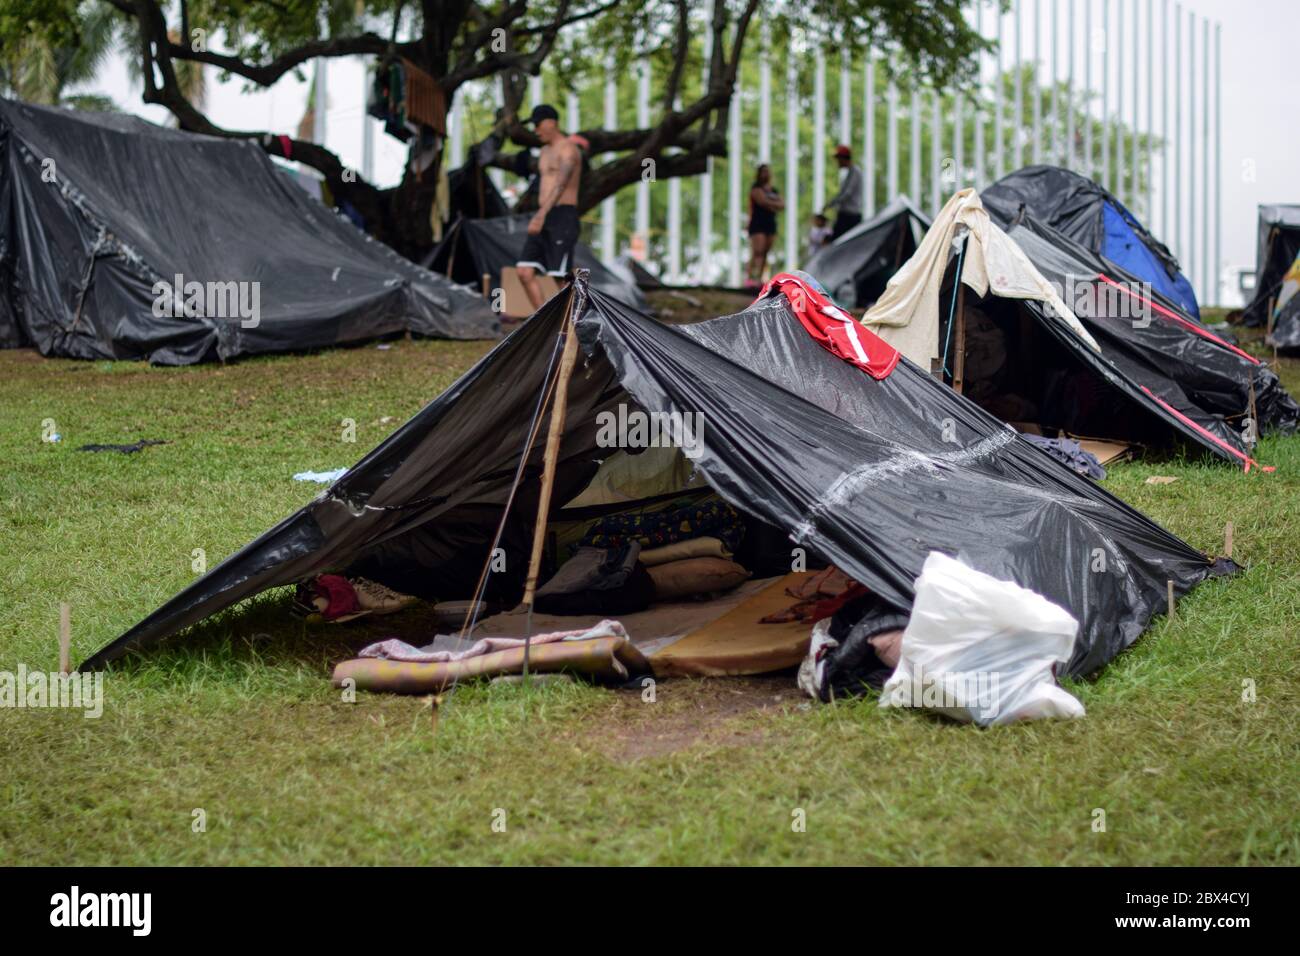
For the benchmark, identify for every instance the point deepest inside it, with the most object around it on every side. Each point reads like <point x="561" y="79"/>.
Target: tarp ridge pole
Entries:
<point x="554" y="435"/>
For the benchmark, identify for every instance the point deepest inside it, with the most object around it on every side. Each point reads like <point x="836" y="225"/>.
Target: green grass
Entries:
<point x="238" y="719"/>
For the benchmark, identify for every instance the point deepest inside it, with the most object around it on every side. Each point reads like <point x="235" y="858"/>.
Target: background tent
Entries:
<point x="855" y="267"/>
<point x="473" y="248"/>
<point x="868" y="473"/>
<point x="1084" y="211"/>
<point x="98" y="209"/>
<point x="1008" y="340"/>
<point x="1277" y="248"/>
<point x="1286" y="320"/>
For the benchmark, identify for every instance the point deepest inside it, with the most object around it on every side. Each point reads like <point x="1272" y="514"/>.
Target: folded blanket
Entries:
<point x="448" y="647"/>
<point x="705" y="547"/>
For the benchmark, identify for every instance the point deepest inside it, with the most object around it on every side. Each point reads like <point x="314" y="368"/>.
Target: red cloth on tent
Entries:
<point x="834" y="329"/>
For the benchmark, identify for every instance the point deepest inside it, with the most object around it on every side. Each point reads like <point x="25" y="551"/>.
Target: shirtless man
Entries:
<point x="553" y="231"/>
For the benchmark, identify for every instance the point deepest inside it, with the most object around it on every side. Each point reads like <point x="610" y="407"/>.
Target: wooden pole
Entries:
<point x="959" y="349"/>
<point x="65" y="638"/>
<point x="554" y="435"/>
<point x="1169" y="591"/>
<point x="1227" y="540"/>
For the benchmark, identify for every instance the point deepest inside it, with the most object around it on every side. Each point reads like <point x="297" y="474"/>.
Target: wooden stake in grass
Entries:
<point x="434" y="703"/>
<point x="1227" y="540"/>
<point x="1170" y="592"/>
<point x="65" y="638"/>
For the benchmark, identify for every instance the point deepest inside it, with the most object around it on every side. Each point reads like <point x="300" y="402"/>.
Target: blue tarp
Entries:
<point x="1122" y="246"/>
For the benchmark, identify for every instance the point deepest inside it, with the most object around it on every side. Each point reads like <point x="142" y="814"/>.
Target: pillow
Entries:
<point x="705" y="547"/>
<point x="691" y="576"/>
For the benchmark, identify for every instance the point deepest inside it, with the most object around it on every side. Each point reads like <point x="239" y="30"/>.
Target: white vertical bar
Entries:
<point x="1018" y="113"/>
<point x="1088" y="42"/>
<point x="457" y="145"/>
<point x="892" y="145"/>
<point x="675" y="273"/>
<point x="320" y="101"/>
<point x="1208" y="280"/>
<point x="735" y="154"/>
<point x="1036" y="148"/>
<point x="1177" y="245"/>
<point x="572" y="119"/>
<point x="1151" y="115"/>
<point x="1069" y="90"/>
<point x="1055" y="152"/>
<point x="936" y="144"/>
<point x="999" y="165"/>
<point x="608" y="209"/>
<point x="958" y="138"/>
<point x="869" y="133"/>
<point x="1135" y="191"/>
<point x="498" y="96"/>
<point x="1218" y="163"/>
<point x="819" y="131"/>
<point x="846" y="99"/>
<point x="765" y="97"/>
<point x="1165" y="149"/>
<point x="792" y="113"/>
<point x="642" y="187"/>
<point x="705" y="254"/>
<point x="1192" y="266"/>
<point x="979" y="102"/>
<point x="1105" y="93"/>
<point x="535" y="90"/>
<point x="1118" y="36"/>
<point x="914" y="145"/>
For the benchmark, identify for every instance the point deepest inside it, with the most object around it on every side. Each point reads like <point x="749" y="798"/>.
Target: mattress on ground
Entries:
<point x="605" y="659"/>
<point x="736" y="643"/>
<point x="659" y="626"/>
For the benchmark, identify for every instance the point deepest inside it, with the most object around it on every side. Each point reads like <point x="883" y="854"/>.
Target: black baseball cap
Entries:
<point x="543" y="111"/>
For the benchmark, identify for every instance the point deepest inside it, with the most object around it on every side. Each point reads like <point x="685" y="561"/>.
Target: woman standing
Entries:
<point x="764" y="203"/>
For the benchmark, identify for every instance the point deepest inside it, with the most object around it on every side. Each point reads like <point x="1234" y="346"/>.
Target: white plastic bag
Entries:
<point x="981" y="649"/>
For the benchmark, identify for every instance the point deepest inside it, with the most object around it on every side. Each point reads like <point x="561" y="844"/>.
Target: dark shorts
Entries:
<point x="551" y="250"/>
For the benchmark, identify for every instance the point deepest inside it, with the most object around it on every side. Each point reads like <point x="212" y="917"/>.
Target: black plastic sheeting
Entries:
<point x="855" y="268"/>
<point x="1204" y="379"/>
<point x="473" y="248"/>
<point x="1278" y="246"/>
<point x="871" y="475"/>
<point x="132" y="205"/>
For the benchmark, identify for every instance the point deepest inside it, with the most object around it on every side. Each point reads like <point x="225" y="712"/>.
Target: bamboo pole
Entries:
<point x="554" y="435"/>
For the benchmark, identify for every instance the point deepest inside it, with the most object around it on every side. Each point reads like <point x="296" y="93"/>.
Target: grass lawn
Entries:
<point x="238" y="719"/>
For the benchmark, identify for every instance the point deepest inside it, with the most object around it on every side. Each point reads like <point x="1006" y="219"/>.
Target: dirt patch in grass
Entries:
<point x="712" y="712"/>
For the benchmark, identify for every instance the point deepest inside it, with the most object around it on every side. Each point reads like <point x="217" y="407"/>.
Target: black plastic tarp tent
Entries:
<point x="100" y="213"/>
<point x="869" y="474"/>
<point x="473" y="248"/>
<point x="855" y="267"/>
<point x="1158" y="348"/>
<point x="1090" y="215"/>
<point x="1277" y="247"/>
<point x="1048" y="335"/>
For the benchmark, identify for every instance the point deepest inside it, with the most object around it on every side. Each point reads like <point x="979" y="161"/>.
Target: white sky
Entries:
<point x="1260" y="137"/>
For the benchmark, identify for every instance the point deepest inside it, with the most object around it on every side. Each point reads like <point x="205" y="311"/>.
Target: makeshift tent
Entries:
<point x="1085" y="212"/>
<point x="1277" y="248"/>
<point x="474" y="248"/>
<point x="1285" y="333"/>
<point x="855" y="267"/>
<point x="472" y="194"/>
<point x="103" y="215"/>
<point x="812" y="428"/>
<point x="1005" y="337"/>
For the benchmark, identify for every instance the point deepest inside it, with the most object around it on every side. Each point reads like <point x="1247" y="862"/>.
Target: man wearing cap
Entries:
<point x="553" y="230"/>
<point x="848" y="201"/>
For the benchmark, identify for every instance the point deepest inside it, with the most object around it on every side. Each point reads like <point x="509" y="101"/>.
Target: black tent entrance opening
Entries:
<point x="867" y="470"/>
